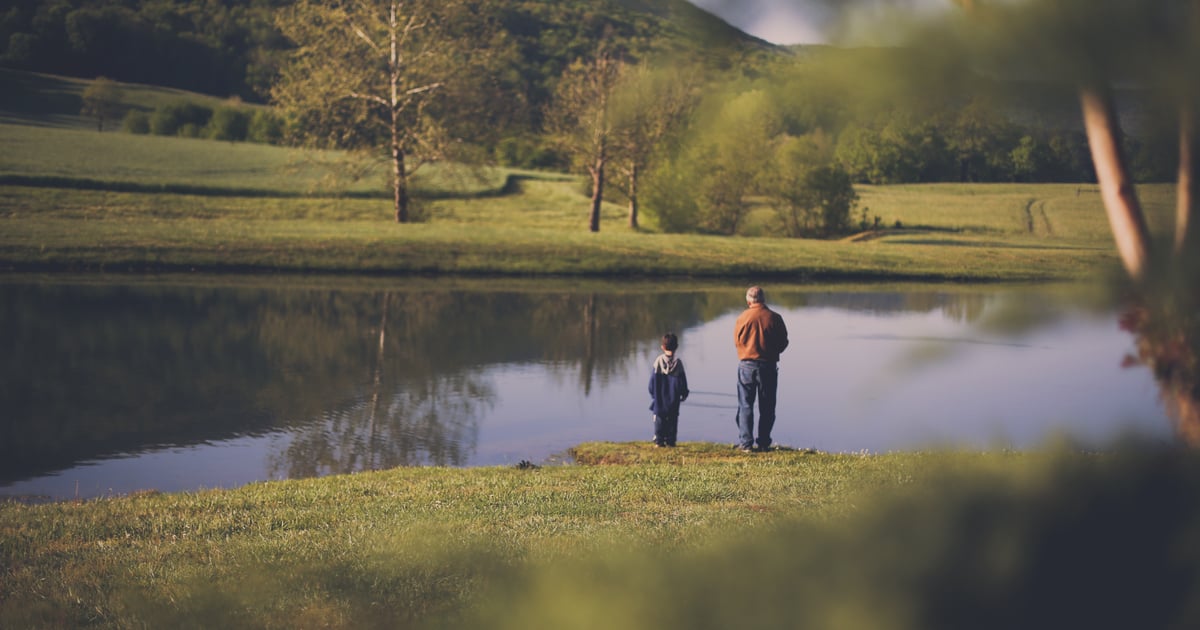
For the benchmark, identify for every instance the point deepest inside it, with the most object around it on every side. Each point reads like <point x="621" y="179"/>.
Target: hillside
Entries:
<point x="232" y="48"/>
<point x="33" y="98"/>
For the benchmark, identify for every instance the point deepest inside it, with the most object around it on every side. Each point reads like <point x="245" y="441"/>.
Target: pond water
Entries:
<point x="116" y="385"/>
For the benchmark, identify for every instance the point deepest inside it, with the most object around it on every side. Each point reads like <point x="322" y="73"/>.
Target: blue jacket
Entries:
<point x="668" y="385"/>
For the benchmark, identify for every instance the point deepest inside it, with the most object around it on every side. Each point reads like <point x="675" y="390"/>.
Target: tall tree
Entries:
<point x="731" y="155"/>
<point x="580" y="118"/>
<point x="366" y="75"/>
<point x="650" y="104"/>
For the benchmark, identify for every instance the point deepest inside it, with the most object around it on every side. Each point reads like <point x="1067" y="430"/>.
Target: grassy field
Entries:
<point x="212" y="206"/>
<point x="799" y="536"/>
<point x="86" y="159"/>
<point x="72" y="198"/>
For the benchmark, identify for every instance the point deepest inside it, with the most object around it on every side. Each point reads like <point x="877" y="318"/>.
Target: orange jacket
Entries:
<point x="760" y="334"/>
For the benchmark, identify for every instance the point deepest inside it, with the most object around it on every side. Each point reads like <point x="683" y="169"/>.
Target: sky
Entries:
<point x="788" y="22"/>
<point x="777" y="21"/>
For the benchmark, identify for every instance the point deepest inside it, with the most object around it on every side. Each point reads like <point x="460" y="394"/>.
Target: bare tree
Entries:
<point x="580" y="120"/>
<point x="366" y="74"/>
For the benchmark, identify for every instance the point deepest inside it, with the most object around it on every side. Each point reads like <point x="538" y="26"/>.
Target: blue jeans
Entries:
<point x="756" y="379"/>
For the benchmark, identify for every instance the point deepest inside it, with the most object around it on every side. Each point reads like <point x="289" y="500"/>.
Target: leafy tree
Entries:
<point x="671" y="196"/>
<point x="975" y="135"/>
<point x="812" y="194"/>
<point x="102" y="101"/>
<point x="730" y="156"/>
<point x="650" y="104"/>
<point x="581" y="122"/>
<point x="367" y="74"/>
<point x="893" y="149"/>
<point x="1030" y="159"/>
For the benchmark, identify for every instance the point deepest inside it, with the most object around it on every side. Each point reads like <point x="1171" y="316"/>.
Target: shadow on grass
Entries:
<point x="510" y="186"/>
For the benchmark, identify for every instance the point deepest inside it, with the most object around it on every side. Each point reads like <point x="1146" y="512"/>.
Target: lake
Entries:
<point x="114" y="385"/>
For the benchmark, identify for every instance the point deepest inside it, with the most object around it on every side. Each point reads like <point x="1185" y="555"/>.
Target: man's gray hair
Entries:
<point x="755" y="295"/>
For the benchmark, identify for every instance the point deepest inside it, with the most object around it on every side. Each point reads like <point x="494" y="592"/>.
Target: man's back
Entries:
<point x="760" y="334"/>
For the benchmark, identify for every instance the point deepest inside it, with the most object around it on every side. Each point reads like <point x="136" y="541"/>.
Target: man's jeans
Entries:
<point x="756" y="379"/>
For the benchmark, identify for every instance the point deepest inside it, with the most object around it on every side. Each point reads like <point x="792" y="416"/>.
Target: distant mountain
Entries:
<point x="232" y="48"/>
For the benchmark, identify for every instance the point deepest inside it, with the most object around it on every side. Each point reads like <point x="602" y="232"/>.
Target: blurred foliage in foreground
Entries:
<point x="1104" y="541"/>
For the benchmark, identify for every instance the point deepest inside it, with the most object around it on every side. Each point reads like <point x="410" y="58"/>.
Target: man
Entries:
<point x="760" y="336"/>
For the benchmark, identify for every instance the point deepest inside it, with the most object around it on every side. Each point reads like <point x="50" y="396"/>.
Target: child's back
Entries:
<point x="668" y="388"/>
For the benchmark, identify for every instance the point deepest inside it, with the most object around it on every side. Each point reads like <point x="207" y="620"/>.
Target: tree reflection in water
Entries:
<point x="428" y="392"/>
<point x="1163" y="317"/>
<point x="434" y="421"/>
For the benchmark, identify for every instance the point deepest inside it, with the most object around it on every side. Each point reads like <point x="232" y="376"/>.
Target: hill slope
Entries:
<point x="233" y="48"/>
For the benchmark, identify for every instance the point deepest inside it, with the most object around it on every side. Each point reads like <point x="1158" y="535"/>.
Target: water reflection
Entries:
<point x="356" y="377"/>
<point x="120" y="385"/>
<point x="1162" y="315"/>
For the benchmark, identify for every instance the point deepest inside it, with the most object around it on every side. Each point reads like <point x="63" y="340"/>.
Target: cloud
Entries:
<point x="777" y="21"/>
<point x="812" y="21"/>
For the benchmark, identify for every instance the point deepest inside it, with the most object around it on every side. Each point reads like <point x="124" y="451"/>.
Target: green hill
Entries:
<point x="232" y="48"/>
<point x="33" y="98"/>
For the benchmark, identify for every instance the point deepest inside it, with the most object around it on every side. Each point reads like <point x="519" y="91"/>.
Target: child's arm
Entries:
<point x="683" y="386"/>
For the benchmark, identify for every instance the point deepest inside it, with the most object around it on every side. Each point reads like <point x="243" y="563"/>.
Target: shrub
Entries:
<point x="264" y="127"/>
<point x="169" y="120"/>
<point x="228" y="123"/>
<point x="522" y="152"/>
<point x="136" y="121"/>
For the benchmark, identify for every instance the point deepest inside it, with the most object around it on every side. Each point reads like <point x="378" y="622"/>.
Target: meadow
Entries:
<point x="694" y="537"/>
<point x="74" y="199"/>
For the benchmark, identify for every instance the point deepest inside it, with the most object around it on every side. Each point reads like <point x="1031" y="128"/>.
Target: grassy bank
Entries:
<point x="421" y="546"/>
<point x="540" y="229"/>
<point x="416" y="541"/>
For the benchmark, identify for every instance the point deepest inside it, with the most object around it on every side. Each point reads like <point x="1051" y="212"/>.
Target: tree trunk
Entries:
<point x="1186" y="194"/>
<point x="597" y="194"/>
<point x="633" y="197"/>
<point x="399" y="184"/>
<point x="1116" y="186"/>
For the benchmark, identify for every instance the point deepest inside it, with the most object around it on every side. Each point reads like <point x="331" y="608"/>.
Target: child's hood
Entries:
<point x="667" y="364"/>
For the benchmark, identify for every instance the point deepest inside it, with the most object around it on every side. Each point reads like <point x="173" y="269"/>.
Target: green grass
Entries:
<point x="414" y="541"/>
<point x="83" y="200"/>
<point x="540" y="228"/>
<point x="88" y="159"/>
<point x="631" y="537"/>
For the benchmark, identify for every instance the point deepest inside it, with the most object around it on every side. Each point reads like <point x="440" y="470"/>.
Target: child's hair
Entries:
<point x="670" y="342"/>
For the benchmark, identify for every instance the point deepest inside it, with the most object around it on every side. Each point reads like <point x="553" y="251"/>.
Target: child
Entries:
<point x="668" y="388"/>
